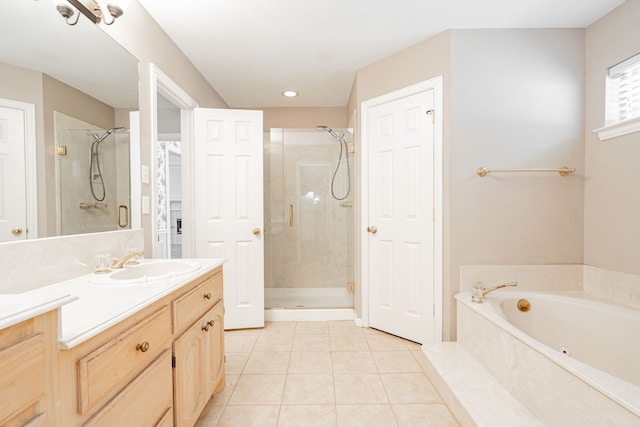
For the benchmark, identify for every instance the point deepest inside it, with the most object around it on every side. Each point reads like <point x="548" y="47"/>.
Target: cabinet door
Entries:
<point x="215" y="357"/>
<point x="190" y="374"/>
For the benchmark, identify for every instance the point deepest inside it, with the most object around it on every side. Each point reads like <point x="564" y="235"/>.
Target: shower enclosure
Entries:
<point x="308" y="231"/>
<point x="92" y="180"/>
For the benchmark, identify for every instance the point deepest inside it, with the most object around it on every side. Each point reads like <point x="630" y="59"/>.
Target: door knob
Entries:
<point x="372" y="229"/>
<point x="16" y="231"/>
<point x="256" y="231"/>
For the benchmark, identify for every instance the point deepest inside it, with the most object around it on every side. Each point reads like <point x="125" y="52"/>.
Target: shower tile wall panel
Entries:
<point x="74" y="181"/>
<point x="317" y="251"/>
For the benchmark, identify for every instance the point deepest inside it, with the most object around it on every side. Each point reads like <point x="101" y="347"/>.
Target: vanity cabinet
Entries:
<point x="198" y="351"/>
<point x="28" y="352"/>
<point x="157" y="367"/>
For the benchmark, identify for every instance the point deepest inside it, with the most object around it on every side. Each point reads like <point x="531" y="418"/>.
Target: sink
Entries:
<point x="145" y="272"/>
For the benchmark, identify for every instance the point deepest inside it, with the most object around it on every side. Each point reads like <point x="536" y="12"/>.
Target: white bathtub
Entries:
<point x="572" y="359"/>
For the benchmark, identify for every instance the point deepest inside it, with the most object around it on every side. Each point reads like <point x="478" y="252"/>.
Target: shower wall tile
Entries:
<point x="567" y="277"/>
<point x="621" y="288"/>
<point x="32" y="264"/>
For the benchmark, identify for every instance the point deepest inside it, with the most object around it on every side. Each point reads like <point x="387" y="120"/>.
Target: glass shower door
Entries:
<point x="312" y="262"/>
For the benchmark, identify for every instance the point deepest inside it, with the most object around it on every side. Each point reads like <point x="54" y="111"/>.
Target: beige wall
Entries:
<point x="512" y="98"/>
<point x="612" y="198"/>
<point x="304" y="117"/>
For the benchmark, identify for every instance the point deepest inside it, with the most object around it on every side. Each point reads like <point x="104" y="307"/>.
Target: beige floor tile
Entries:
<point x="279" y="328"/>
<point x="258" y="390"/>
<point x="311" y="343"/>
<point x="272" y="342"/>
<point x="312" y="328"/>
<point x="365" y="416"/>
<point x="221" y="398"/>
<point x="421" y="358"/>
<point x="424" y="416"/>
<point x="210" y="416"/>
<point x="395" y="361"/>
<point x="307" y="416"/>
<point x="359" y="389"/>
<point x="344" y="327"/>
<point x="249" y="416"/>
<point x="385" y="342"/>
<point x="239" y="343"/>
<point x="410" y="388"/>
<point x="268" y="362"/>
<point x="348" y="343"/>
<point x="413" y="346"/>
<point x="310" y="363"/>
<point x="253" y="331"/>
<point x="308" y="390"/>
<point x="353" y="362"/>
<point x="235" y="362"/>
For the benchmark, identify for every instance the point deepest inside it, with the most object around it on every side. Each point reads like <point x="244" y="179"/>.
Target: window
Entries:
<point x="623" y="91"/>
<point x="622" y="110"/>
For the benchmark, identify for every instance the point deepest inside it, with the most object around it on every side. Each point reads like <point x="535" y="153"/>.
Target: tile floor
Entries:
<point x="323" y="374"/>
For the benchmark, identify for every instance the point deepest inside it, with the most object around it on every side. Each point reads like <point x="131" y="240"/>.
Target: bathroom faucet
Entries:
<point x="479" y="292"/>
<point x="119" y="263"/>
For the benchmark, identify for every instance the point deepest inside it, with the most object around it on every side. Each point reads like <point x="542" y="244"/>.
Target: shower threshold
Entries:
<point x="307" y="298"/>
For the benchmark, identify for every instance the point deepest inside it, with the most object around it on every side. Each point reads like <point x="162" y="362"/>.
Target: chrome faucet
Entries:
<point x="119" y="263"/>
<point x="479" y="292"/>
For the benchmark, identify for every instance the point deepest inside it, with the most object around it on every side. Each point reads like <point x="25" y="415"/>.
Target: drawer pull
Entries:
<point x="207" y="295"/>
<point x="143" y="347"/>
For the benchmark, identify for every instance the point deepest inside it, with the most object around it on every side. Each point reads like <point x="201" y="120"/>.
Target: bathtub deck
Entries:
<point x="474" y="396"/>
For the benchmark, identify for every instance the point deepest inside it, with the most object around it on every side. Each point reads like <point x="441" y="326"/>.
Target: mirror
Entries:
<point x="82" y="83"/>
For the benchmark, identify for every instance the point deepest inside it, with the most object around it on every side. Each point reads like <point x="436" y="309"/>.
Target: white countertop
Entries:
<point x="87" y="307"/>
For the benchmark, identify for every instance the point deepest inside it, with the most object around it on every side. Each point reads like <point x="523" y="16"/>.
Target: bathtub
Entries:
<point x="571" y="359"/>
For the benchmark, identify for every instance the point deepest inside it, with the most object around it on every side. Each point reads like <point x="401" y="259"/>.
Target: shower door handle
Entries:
<point x="291" y="215"/>
<point x="123" y="220"/>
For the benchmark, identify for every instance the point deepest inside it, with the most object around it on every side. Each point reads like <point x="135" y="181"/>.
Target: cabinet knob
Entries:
<point x="206" y="327"/>
<point x="207" y="295"/>
<point x="143" y="347"/>
<point x="211" y="323"/>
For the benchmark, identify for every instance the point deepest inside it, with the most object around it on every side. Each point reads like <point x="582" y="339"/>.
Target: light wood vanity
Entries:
<point x="157" y="367"/>
<point x="28" y="381"/>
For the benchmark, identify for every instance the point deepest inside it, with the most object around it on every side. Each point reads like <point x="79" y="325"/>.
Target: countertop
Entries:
<point x="89" y="305"/>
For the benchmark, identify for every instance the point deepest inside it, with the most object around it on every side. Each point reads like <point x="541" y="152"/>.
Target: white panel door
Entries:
<point x="13" y="189"/>
<point x="400" y="212"/>
<point x="228" y="207"/>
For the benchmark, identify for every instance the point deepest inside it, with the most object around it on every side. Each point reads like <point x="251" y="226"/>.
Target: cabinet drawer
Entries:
<point x="190" y="306"/>
<point x="22" y="382"/>
<point x="113" y="364"/>
<point x="145" y="401"/>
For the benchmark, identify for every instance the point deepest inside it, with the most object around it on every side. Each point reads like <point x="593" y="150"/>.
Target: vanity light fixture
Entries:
<point x="94" y="10"/>
<point x="290" y="93"/>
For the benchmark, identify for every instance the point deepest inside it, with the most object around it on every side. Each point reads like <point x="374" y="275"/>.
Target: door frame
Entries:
<point x="435" y="84"/>
<point x="30" y="167"/>
<point x="161" y="83"/>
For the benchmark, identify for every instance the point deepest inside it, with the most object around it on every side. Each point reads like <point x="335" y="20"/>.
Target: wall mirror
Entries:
<point x="73" y="87"/>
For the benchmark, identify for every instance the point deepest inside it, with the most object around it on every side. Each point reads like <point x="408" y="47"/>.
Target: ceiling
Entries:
<point x="251" y="50"/>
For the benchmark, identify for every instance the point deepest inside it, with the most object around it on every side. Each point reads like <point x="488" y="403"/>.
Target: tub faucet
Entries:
<point x="119" y="263"/>
<point x="479" y="292"/>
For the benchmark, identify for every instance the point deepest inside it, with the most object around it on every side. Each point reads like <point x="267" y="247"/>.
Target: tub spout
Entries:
<point x="479" y="292"/>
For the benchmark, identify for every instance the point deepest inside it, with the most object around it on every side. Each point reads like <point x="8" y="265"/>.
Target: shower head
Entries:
<point x="333" y="133"/>
<point x="99" y="139"/>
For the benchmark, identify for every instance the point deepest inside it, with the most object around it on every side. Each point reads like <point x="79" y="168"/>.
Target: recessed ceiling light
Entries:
<point x="290" y="93"/>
